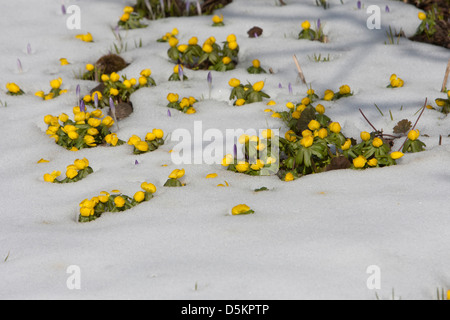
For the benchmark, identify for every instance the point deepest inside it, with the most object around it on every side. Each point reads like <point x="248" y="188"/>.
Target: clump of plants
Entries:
<point x="246" y="94"/>
<point x="209" y="56"/>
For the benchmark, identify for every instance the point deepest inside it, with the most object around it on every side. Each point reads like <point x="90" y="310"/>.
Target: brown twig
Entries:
<point x="368" y="121"/>
<point x="300" y="72"/>
<point x="447" y="72"/>
<point x="423" y="109"/>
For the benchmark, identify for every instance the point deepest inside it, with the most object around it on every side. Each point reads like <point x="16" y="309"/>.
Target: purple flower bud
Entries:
<point x="82" y="106"/>
<point x="280" y="86"/>
<point x="256" y="35"/>
<point x="180" y="72"/>
<point x="290" y="88"/>
<point x="19" y="65"/>
<point x="169" y="113"/>
<point x="112" y="105"/>
<point x="387" y="9"/>
<point x="78" y="91"/>
<point x="209" y="78"/>
<point x="63" y="9"/>
<point x="235" y="150"/>
<point x="136" y="162"/>
<point x="96" y="100"/>
<point x="318" y="24"/>
<point x="358" y="4"/>
<point x="29" y="48"/>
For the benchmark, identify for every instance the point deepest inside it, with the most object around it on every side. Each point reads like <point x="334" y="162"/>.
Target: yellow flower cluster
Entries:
<point x="91" y="209"/>
<point x="153" y="140"/>
<point x="130" y="19"/>
<point x="395" y="82"/>
<point x="74" y="172"/>
<point x="174" y="177"/>
<point x="14" y="89"/>
<point x="185" y="105"/>
<point x="85" y="130"/>
<point x="344" y="91"/>
<point x="241" y="209"/>
<point x="55" y="91"/>
<point x="245" y="94"/>
<point x="217" y="21"/>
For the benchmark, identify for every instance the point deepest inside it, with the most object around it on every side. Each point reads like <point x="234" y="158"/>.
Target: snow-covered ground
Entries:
<point x="312" y="238"/>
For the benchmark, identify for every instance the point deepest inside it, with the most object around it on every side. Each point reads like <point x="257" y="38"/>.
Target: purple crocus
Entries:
<point x="96" y="100"/>
<point x="235" y="150"/>
<point x="290" y="88"/>
<point x="169" y="113"/>
<point x="318" y="24"/>
<point x="78" y="92"/>
<point x="209" y="79"/>
<point x="180" y="72"/>
<point x="112" y="107"/>
<point x="136" y="162"/>
<point x="63" y="9"/>
<point x="358" y="4"/>
<point x="280" y="86"/>
<point x="387" y="9"/>
<point x="29" y="48"/>
<point x="19" y="65"/>
<point x="82" y="106"/>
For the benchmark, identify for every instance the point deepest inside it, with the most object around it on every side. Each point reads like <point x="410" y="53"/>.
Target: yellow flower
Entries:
<point x="134" y="139"/>
<point x="242" y="166"/>
<point x="92" y="131"/>
<point x="328" y="95"/>
<point x="211" y="176"/>
<point x="396" y="155"/>
<point x="108" y="121"/>
<point x="216" y="19"/>
<point x="80" y="164"/>
<point x="173" y="97"/>
<point x="345" y="89"/>
<point x="305" y="101"/>
<point x="80" y="116"/>
<point x="113" y="92"/>
<point x="290" y="136"/>
<point x="422" y="16"/>
<point x="128" y="9"/>
<point x="322" y="133"/>
<point x="260" y="146"/>
<point x="256" y="63"/>
<point x="226" y="60"/>
<point x="231" y="38"/>
<point x="148" y="187"/>
<point x="306" y="25"/>
<point x="89" y="140"/>
<point x="193" y="41"/>
<point x="64" y="61"/>
<point x="207" y="48"/>
<point x="227" y="160"/>
<point x="290" y="105"/>
<point x="173" y="42"/>
<point x="258" y="165"/>
<point x="234" y="82"/>
<point x="90" y="67"/>
<point x="267" y="134"/>
<point x="146" y="73"/>
<point x="372" y="162"/>
<point x="240" y="209"/>
<point x="73" y="135"/>
<point x="347" y="144"/>
<point x="365" y="136"/>
<point x="240" y="102"/>
<point x="310" y="92"/>
<point x="289" y="177"/>
<point x="377" y="142"/>
<point x="111" y="139"/>
<point x="307" y="141"/>
<point x="85" y="37"/>
<point x="114" y="77"/>
<point x="40" y="94"/>
<point x="49" y="178"/>
<point x="105" y="77"/>
<point x="12" y="87"/>
<point x="150" y="136"/>
<point x="86" y="212"/>
<point x="359" y="162"/>
<point x="258" y="86"/>
<point x="306" y="133"/>
<point x="335" y="127"/>
<point x="233" y="45"/>
<point x="440" y="102"/>
<point x="313" y="125"/>
<point x="158" y="133"/>
<point x="143" y="81"/>
<point x="301" y="108"/>
<point x="71" y="173"/>
<point x="94" y="122"/>
<point x="320" y="109"/>
<point x="276" y="115"/>
<point x="174" y="31"/>
<point x="127" y="84"/>
<point x="125" y="17"/>
<point x="139" y="196"/>
<point x="296" y="114"/>
<point x="63" y="117"/>
<point x="141" y="146"/>
<point x="413" y="135"/>
<point x="191" y="110"/>
<point x="119" y="201"/>
<point x="177" y="174"/>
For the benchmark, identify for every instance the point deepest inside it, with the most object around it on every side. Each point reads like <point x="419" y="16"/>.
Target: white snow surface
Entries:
<point x="312" y="238"/>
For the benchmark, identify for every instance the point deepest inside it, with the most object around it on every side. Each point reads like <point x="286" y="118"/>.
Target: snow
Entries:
<point x="312" y="238"/>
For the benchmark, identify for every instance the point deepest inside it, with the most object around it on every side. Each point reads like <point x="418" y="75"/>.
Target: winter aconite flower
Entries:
<point x="306" y="25"/>
<point x="258" y="86"/>
<point x="13" y="89"/>
<point x="365" y="136"/>
<point x="413" y="135"/>
<point x="85" y="37"/>
<point x="289" y="177"/>
<point x="422" y="16"/>
<point x="396" y="155"/>
<point x="377" y="142"/>
<point x="335" y="127"/>
<point x="148" y="187"/>
<point x="359" y="162"/>
<point x="241" y="209"/>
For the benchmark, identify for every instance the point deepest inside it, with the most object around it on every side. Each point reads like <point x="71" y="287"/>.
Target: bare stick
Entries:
<point x="368" y="121"/>
<point x="300" y="72"/>
<point x="447" y="72"/>
<point x="423" y="109"/>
